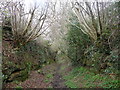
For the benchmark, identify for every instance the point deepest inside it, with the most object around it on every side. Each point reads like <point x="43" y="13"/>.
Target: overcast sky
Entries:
<point x="42" y="1"/>
<point x="30" y="3"/>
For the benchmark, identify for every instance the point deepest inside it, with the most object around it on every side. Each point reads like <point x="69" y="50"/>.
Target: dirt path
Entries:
<point x="58" y="81"/>
<point x="37" y="80"/>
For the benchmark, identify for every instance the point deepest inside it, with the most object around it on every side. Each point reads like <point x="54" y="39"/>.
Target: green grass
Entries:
<point x="48" y="78"/>
<point x="19" y="88"/>
<point x="89" y="79"/>
<point x="49" y="75"/>
<point x="70" y="84"/>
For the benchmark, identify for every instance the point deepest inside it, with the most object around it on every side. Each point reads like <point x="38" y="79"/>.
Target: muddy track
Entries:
<point x="58" y="81"/>
<point x="36" y="80"/>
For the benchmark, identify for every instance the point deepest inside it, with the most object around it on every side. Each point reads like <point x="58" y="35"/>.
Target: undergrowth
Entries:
<point x="82" y="77"/>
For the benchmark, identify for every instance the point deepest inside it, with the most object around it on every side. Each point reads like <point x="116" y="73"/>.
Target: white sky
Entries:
<point x="42" y="1"/>
<point x="29" y="3"/>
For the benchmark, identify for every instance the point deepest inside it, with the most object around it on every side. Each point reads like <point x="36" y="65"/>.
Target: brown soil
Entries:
<point x="58" y="81"/>
<point x="37" y="80"/>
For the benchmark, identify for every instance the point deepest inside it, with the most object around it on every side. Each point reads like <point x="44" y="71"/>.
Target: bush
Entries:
<point x="27" y="57"/>
<point x="102" y="54"/>
<point x="77" y="43"/>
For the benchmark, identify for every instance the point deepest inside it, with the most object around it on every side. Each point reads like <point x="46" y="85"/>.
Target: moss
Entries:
<point x="23" y="75"/>
<point x="19" y="88"/>
<point x="19" y="76"/>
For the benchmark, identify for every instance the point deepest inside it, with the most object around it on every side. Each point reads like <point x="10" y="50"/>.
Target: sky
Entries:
<point x="42" y="1"/>
<point x="29" y="3"/>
